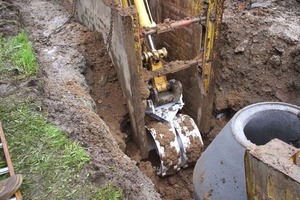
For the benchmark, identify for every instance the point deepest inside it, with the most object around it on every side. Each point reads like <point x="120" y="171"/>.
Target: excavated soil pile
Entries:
<point x="260" y="53"/>
<point x="259" y="56"/>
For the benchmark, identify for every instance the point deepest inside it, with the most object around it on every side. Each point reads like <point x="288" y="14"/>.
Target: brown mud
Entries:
<point x="165" y="138"/>
<point x="9" y="19"/>
<point x="193" y="151"/>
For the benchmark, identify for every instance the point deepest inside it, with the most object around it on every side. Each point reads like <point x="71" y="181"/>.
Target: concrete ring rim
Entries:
<point x="243" y="116"/>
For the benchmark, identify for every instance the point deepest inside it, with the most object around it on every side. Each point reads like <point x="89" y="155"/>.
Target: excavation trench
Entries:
<point x="112" y="95"/>
<point x="111" y="107"/>
<point x="231" y="91"/>
<point x="57" y="40"/>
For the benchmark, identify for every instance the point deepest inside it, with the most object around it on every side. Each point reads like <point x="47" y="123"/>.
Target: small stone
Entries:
<point x="296" y="84"/>
<point x="278" y="73"/>
<point x="289" y="38"/>
<point x="112" y="77"/>
<point x="279" y="49"/>
<point x="172" y="180"/>
<point x="167" y="20"/>
<point x="260" y="4"/>
<point x="6" y="90"/>
<point x="296" y="63"/>
<point x="103" y="80"/>
<point x="256" y="5"/>
<point x="241" y="47"/>
<point x="32" y="83"/>
<point x="275" y="60"/>
<point x="281" y="95"/>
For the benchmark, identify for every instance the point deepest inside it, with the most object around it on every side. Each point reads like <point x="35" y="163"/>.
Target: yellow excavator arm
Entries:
<point x="175" y="137"/>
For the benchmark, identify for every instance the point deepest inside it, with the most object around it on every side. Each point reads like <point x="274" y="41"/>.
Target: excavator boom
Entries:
<point x="173" y="136"/>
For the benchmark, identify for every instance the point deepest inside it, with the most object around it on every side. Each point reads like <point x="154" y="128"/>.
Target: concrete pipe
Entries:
<point x="219" y="172"/>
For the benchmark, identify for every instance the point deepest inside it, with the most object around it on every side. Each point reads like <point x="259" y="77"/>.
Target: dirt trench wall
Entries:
<point x="120" y="33"/>
<point x="95" y="14"/>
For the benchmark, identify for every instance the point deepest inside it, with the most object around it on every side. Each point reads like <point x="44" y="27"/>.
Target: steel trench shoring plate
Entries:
<point x="167" y="147"/>
<point x="190" y="139"/>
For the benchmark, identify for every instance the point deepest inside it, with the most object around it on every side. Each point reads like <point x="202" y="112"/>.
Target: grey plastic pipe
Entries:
<point x="219" y="173"/>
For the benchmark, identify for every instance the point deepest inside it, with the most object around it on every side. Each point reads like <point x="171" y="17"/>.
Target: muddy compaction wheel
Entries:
<point x="177" y="145"/>
<point x="164" y="140"/>
<point x="190" y="137"/>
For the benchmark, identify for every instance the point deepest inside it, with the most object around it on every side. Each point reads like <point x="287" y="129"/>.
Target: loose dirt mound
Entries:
<point x="260" y="54"/>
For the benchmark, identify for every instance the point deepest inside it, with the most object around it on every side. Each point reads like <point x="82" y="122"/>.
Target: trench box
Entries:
<point x="197" y="42"/>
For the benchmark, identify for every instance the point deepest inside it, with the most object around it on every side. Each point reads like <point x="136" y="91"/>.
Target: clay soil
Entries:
<point x="259" y="60"/>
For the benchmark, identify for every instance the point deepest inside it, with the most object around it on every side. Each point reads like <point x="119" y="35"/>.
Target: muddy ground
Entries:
<point x="259" y="55"/>
<point x="259" y="61"/>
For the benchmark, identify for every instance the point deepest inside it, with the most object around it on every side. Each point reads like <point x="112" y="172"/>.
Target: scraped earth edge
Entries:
<point x="68" y="102"/>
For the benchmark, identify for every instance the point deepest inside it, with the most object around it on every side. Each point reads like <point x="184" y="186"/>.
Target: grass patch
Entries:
<point x="17" y="53"/>
<point x="46" y="158"/>
<point x="109" y="192"/>
<point x="50" y="163"/>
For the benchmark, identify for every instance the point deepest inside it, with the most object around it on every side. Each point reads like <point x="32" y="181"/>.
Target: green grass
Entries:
<point x="108" y="192"/>
<point x="51" y="164"/>
<point x="17" y="53"/>
<point x="41" y="152"/>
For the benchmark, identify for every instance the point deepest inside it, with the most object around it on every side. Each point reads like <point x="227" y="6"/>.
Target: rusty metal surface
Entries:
<point x="171" y="25"/>
<point x="271" y="173"/>
<point x="129" y="69"/>
<point x="214" y="19"/>
<point x="170" y="68"/>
